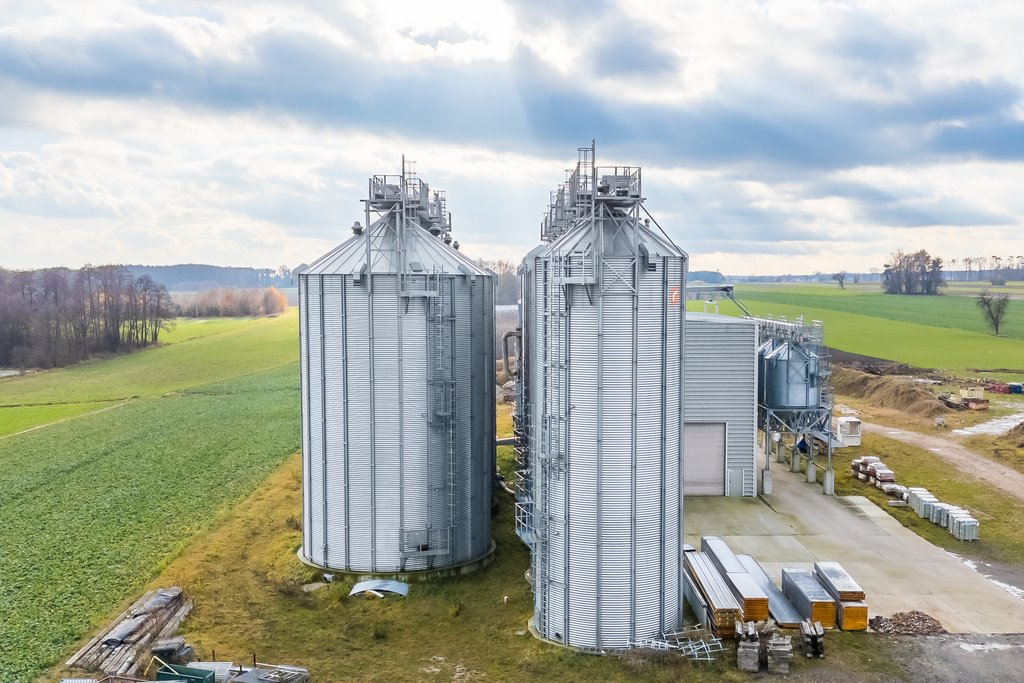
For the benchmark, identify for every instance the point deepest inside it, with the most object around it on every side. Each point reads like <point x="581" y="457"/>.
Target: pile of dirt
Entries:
<point x="913" y="622"/>
<point x="1016" y="436"/>
<point x="887" y="392"/>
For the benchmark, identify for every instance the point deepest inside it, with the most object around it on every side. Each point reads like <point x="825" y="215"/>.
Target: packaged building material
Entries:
<point x="807" y="595"/>
<point x="722" y="607"/>
<point x="752" y="599"/>
<point x="720" y="554"/>
<point x="839" y="584"/>
<point x="779" y="606"/>
<point x="852" y="615"/>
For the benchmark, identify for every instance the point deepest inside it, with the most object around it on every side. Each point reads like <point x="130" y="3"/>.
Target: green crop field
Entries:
<point x="933" y="332"/>
<point x="954" y="312"/>
<point x="195" y="352"/>
<point x="92" y="508"/>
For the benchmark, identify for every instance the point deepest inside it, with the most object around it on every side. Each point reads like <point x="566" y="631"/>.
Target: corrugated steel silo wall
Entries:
<point x="721" y="372"/>
<point x="611" y="572"/>
<point x="368" y="478"/>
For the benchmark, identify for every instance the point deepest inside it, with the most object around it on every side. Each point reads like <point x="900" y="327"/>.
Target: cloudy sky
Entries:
<point x="775" y="137"/>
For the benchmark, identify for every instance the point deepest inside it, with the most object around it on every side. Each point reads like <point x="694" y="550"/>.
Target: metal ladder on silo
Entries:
<point x="440" y="321"/>
<point x="553" y="426"/>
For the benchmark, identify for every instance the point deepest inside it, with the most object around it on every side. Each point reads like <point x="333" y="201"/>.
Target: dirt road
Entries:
<point x="999" y="476"/>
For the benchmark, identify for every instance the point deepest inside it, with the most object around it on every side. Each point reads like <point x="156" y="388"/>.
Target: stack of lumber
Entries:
<point x="780" y="654"/>
<point x="851" y="610"/>
<point x="810" y="599"/>
<point x="120" y="649"/>
<point x="779" y="606"/>
<point x="752" y="598"/>
<point x="814" y="638"/>
<point x="722" y="608"/>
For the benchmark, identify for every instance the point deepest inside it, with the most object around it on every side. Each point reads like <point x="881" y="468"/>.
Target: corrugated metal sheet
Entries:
<point x="387" y="485"/>
<point x="720" y="378"/>
<point x="604" y="378"/>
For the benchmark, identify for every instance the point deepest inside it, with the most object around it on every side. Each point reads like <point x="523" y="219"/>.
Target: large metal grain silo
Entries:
<point x="397" y="364"/>
<point x="603" y="327"/>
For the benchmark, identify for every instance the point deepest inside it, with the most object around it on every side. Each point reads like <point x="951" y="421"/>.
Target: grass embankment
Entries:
<point x="92" y="508"/>
<point x="1001" y="517"/>
<point x="197" y="352"/>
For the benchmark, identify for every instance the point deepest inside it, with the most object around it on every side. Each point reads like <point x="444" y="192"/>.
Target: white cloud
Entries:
<point x="781" y="136"/>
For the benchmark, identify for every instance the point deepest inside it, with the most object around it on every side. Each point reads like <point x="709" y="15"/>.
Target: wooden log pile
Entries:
<point x="120" y="648"/>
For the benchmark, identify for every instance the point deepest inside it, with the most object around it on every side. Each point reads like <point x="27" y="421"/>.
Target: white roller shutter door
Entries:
<point x="704" y="459"/>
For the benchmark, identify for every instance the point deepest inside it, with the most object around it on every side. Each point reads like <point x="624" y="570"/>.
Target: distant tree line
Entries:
<point x="994" y="269"/>
<point x="506" y="286"/>
<point x="56" y="316"/>
<point x="916" y="273"/>
<point x="230" y="303"/>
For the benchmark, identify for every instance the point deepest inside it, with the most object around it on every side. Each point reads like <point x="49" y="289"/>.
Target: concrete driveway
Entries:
<point x="898" y="570"/>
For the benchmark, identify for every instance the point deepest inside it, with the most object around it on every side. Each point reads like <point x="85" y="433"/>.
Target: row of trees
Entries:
<point x="995" y="269"/>
<point x="56" y="316"/>
<point x="916" y="273"/>
<point x="229" y="302"/>
<point x="506" y="286"/>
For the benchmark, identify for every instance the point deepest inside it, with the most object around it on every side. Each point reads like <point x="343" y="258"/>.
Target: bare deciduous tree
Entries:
<point x="993" y="308"/>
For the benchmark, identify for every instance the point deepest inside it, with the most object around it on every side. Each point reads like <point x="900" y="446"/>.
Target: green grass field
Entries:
<point x="931" y="332"/>
<point x="196" y="352"/>
<point x="954" y="312"/>
<point x="93" y="507"/>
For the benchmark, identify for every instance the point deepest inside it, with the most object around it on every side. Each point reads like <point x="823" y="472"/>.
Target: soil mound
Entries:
<point x="887" y="392"/>
<point x="1016" y="436"/>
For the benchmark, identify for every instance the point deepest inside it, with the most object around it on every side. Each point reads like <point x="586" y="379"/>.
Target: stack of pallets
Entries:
<point x="851" y="610"/>
<point x="722" y="608"/>
<point x="810" y="599"/>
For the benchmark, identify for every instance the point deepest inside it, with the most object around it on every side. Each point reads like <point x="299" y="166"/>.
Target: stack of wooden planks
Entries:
<point x="722" y="608"/>
<point x="752" y="598"/>
<point x="120" y="649"/>
<point x="807" y="595"/>
<point x="779" y="606"/>
<point x="851" y="610"/>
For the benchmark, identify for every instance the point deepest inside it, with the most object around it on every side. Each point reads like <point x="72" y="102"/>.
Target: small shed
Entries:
<point x="848" y="431"/>
<point x="720" y="406"/>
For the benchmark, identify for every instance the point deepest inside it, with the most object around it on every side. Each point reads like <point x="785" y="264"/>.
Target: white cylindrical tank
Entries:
<point x="603" y="328"/>
<point x="398" y="378"/>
